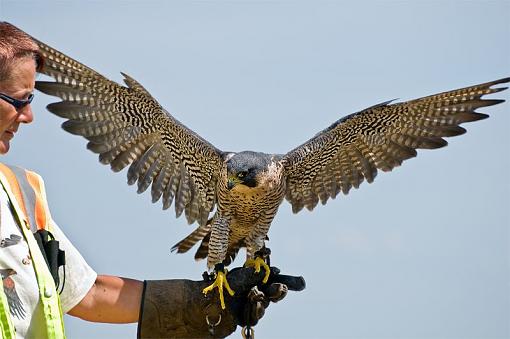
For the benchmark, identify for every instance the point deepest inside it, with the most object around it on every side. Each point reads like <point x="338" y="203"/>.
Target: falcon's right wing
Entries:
<point x="378" y="138"/>
<point x="127" y="126"/>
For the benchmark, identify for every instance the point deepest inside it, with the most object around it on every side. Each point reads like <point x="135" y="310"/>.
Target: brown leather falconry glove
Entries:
<point x="179" y="309"/>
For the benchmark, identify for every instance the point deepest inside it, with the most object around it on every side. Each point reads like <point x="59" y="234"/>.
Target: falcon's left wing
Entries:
<point x="380" y="137"/>
<point x="125" y="125"/>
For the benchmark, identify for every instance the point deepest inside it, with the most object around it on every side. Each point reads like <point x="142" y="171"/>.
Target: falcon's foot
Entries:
<point x="220" y="282"/>
<point x="260" y="261"/>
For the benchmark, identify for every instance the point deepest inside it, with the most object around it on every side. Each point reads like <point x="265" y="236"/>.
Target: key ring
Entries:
<point x="212" y="326"/>
<point x="248" y="332"/>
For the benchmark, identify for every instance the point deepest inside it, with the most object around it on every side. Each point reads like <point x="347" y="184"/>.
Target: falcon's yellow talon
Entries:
<point x="220" y="282"/>
<point x="256" y="264"/>
<point x="268" y="271"/>
<point x="227" y="287"/>
<point x="252" y="263"/>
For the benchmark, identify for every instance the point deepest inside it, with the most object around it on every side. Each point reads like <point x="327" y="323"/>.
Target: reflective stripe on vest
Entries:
<point x="27" y="196"/>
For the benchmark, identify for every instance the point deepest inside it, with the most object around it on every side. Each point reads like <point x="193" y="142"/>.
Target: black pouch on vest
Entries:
<point x="53" y="256"/>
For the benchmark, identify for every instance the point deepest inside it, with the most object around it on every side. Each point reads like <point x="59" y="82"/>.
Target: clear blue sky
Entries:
<point x="423" y="252"/>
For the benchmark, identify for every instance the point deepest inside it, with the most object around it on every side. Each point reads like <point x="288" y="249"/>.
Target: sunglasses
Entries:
<point x="18" y="104"/>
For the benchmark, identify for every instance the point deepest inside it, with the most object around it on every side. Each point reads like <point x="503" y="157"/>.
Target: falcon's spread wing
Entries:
<point x="380" y="137"/>
<point x="126" y="125"/>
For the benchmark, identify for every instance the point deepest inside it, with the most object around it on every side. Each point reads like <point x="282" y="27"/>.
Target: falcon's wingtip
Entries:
<point x="501" y="81"/>
<point x="497" y="82"/>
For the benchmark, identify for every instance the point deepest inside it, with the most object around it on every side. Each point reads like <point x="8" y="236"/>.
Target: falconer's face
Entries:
<point x="18" y="84"/>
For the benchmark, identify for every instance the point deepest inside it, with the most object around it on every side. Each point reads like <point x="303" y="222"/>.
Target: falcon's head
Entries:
<point x="247" y="168"/>
<point x="4" y="273"/>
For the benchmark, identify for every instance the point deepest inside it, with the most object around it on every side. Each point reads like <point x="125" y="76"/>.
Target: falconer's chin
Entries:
<point x="5" y="140"/>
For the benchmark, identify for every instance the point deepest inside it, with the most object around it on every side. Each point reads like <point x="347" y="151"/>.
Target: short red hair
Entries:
<point x="16" y="44"/>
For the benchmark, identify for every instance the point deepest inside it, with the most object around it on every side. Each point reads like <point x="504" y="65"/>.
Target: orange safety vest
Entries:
<point x="27" y="195"/>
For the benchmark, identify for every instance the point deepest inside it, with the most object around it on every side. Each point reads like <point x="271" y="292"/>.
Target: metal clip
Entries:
<point x="212" y="326"/>
<point x="248" y="332"/>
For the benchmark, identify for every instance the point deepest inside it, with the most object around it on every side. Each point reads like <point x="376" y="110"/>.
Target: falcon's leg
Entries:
<point x="217" y="251"/>
<point x="261" y="260"/>
<point x="220" y="282"/>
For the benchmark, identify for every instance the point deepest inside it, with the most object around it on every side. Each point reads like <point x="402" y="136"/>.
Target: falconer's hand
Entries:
<point x="179" y="309"/>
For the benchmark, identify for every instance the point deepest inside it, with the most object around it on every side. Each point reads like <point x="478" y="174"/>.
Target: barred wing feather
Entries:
<point x="127" y="126"/>
<point x="381" y="137"/>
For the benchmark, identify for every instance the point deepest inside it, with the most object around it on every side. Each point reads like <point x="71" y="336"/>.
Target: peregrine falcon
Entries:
<point x="126" y="126"/>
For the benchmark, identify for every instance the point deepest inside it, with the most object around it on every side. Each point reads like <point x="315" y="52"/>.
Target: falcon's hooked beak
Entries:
<point x="232" y="181"/>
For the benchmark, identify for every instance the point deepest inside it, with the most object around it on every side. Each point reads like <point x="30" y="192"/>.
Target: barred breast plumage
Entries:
<point x="246" y="211"/>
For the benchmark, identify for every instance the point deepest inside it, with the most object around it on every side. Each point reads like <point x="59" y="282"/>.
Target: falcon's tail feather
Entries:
<point x="200" y="233"/>
<point x="232" y="252"/>
<point x="203" y="250"/>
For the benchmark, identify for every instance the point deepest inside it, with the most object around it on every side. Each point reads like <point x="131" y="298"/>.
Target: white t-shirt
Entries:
<point x="19" y="280"/>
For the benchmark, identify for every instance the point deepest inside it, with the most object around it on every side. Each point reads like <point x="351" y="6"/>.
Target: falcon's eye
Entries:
<point x="242" y="174"/>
